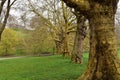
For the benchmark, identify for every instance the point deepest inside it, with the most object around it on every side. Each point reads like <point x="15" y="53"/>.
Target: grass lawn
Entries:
<point x="41" y="68"/>
<point x="119" y="52"/>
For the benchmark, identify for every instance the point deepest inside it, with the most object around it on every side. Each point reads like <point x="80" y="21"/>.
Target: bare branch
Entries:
<point x="13" y="3"/>
<point x="1" y="6"/>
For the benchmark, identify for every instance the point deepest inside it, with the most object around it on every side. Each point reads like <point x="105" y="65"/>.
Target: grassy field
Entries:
<point x="40" y="68"/>
<point x="119" y="53"/>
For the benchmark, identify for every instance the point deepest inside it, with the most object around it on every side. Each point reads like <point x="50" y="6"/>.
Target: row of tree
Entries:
<point x="69" y="26"/>
<point x="101" y="15"/>
<point x="64" y="25"/>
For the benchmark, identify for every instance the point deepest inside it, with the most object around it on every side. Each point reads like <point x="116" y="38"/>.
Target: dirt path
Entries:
<point x="11" y="57"/>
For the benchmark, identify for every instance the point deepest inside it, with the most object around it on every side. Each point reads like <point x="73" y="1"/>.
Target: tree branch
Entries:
<point x="81" y="5"/>
<point x="12" y="3"/>
<point x="1" y="6"/>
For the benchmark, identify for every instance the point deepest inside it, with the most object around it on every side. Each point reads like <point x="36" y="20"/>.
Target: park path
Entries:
<point x="11" y="57"/>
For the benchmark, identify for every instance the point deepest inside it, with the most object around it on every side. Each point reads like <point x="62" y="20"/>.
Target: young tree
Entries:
<point x="103" y="62"/>
<point x="9" y="4"/>
<point x="10" y="41"/>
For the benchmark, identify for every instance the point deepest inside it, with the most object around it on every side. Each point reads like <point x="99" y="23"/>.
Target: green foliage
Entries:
<point x="10" y="41"/>
<point x="39" y="41"/>
<point x="18" y="42"/>
<point x="119" y="52"/>
<point x="41" y="68"/>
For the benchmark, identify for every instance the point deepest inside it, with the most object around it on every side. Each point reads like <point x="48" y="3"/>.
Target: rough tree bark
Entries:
<point x="65" y="45"/>
<point x="77" y="54"/>
<point x="104" y="63"/>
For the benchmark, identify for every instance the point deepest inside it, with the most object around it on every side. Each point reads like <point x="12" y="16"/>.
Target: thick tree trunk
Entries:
<point x="65" y="45"/>
<point x="56" y="47"/>
<point x="77" y="55"/>
<point x="104" y="63"/>
<point x="65" y="42"/>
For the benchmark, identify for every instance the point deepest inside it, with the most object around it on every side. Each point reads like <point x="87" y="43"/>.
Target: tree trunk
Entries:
<point x="77" y="55"/>
<point x="58" y="47"/>
<point x="65" y="45"/>
<point x="9" y="4"/>
<point x="1" y="6"/>
<point x="104" y="63"/>
<point x="2" y="27"/>
<point x="6" y="52"/>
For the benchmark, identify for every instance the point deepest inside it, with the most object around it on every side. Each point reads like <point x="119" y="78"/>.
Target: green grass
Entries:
<point x="41" y="68"/>
<point x="119" y="52"/>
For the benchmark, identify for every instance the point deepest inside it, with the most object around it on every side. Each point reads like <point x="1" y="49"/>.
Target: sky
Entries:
<point x="18" y="12"/>
<point x="118" y="8"/>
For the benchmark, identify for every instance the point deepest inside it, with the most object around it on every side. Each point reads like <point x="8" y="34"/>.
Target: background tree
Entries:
<point x="39" y="38"/>
<point x="117" y="26"/>
<point x="10" y="42"/>
<point x="81" y="32"/>
<point x="59" y="29"/>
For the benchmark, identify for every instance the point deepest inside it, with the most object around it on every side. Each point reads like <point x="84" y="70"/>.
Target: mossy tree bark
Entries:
<point x="103" y="60"/>
<point x="104" y="63"/>
<point x="65" y="52"/>
<point x="77" y="54"/>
